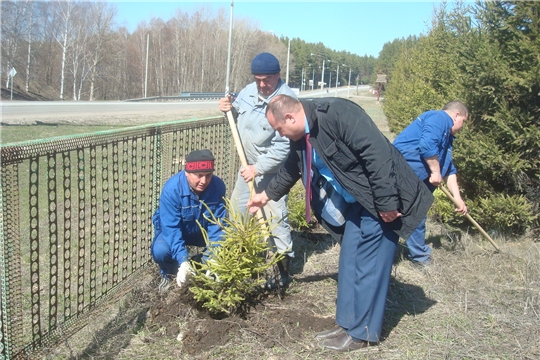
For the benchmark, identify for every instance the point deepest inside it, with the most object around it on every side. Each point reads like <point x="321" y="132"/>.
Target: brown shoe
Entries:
<point x="344" y="342"/>
<point x="329" y="334"/>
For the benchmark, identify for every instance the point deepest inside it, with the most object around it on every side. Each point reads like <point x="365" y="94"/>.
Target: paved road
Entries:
<point x="30" y="112"/>
<point x="12" y="110"/>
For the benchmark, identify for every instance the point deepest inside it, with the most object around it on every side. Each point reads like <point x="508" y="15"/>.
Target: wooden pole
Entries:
<point x="241" y="154"/>
<point x="469" y="217"/>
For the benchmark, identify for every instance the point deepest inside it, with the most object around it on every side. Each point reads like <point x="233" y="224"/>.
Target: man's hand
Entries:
<point x="257" y="202"/>
<point x="389" y="216"/>
<point x="248" y="173"/>
<point x="225" y="104"/>
<point x="435" y="178"/>
<point x="462" y="208"/>
<point x="183" y="272"/>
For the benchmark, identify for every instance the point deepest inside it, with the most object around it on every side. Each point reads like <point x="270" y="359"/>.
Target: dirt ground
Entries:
<point x="273" y="318"/>
<point x="471" y="303"/>
<point x="150" y="325"/>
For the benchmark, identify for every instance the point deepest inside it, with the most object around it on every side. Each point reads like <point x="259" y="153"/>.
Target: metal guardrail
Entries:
<point x="76" y="227"/>
<point x="185" y="96"/>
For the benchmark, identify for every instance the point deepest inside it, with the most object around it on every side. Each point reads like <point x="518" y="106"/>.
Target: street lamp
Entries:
<point x="322" y="75"/>
<point x="288" y="55"/>
<point x="348" y="82"/>
<point x="337" y="78"/>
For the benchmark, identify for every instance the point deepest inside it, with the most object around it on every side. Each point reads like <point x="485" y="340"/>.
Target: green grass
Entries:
<point x="17" y="133"/>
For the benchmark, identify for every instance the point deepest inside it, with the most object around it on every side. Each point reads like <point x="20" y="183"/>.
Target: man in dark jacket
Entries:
<point x="386" y="200"/>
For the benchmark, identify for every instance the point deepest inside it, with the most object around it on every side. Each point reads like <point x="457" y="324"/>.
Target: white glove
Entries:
<point x="183" y="272"/>
<point x="210" y="274"/>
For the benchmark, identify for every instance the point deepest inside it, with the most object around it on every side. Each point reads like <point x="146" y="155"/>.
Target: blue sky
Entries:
<point x="360" y="27"/>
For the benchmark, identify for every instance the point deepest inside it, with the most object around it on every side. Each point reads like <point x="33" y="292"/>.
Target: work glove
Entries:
<point x="210" y="274"/>
<point x="183" y="272"/>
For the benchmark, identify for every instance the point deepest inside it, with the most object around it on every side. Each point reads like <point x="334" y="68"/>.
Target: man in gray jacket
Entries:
<point x="386" y="200"/>
<point x="265" y="152"/>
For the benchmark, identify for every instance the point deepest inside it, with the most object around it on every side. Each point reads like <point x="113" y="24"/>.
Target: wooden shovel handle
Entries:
<point x="241" y="154"/>
<point x="469" y="217"/>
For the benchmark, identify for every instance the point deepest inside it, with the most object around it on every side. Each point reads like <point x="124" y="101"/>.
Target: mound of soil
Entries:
<point x="273" y="318"/>
<point x="274" y="321"/>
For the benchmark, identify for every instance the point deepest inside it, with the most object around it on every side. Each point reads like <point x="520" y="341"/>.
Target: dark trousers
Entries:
<point x="365" y="264"/>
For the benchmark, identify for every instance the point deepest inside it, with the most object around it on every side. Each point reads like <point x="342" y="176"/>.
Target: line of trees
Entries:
<point x="74" y="50"/>
<point x="487" y="55"/>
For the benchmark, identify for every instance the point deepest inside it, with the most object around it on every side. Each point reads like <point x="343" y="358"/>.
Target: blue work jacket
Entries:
<point x="428" y="135"/>
<point x="175" y="220"/>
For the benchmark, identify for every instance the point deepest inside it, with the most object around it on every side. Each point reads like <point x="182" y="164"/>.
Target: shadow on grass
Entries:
<point x="404" y="299"/>
<point x="402" y="251"/>
<point x="117" y="334"/>
<point x="306" y="244"/>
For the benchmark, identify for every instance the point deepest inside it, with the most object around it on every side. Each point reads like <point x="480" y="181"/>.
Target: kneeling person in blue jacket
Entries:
<point x="180" y="208"/>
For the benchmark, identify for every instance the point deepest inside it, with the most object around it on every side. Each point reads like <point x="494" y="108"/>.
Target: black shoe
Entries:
<point x="283" y="279"/>
<point x="278" y="282"/>
<point x="344" y="342"/>
<point x="329" y="334"/>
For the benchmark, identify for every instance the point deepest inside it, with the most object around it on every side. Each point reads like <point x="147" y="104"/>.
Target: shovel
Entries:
<point x="485" y="234"/>
<point x="241" y="154"/>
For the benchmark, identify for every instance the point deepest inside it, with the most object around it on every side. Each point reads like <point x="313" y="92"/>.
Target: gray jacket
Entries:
<point x="263" y="146"/>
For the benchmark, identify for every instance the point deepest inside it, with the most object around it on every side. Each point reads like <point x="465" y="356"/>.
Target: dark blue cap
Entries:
<point x="265" y="63"/>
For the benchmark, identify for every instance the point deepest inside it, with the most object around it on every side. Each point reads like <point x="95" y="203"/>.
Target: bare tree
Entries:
<point x="14" y="26"/>
<point x="64" y="12"/>
<point x="78" y="53"/>
<point x="30" y="29"/>
<point x="101" y="17"/>
<point x="75" y="44"/>
<point x="179" y="24"/>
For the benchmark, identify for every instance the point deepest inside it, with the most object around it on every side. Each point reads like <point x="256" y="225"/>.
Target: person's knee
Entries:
<point x="160" y="251"/>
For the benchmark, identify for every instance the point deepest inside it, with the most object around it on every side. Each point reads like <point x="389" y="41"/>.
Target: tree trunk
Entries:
<point x="30" y="26"/>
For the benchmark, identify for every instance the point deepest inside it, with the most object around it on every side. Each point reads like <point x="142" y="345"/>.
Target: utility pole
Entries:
<point x="288" y="55"/>
<point x="337" y="78"/>
<point x="146" y="76"/>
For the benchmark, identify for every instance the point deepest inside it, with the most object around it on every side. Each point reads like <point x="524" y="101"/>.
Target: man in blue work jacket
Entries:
<point x="426" y="144"/>
<point x="181" y="206"/>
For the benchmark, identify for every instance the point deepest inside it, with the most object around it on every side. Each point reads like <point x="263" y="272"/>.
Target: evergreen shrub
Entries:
<point x="237" y="264"/>
<point x="296" y="206"/>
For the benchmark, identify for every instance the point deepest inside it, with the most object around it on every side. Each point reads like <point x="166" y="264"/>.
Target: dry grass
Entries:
<point x="471" y="303"/>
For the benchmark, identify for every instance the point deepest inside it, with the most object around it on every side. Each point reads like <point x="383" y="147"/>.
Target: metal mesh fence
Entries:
<point x="76" y="224"/>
